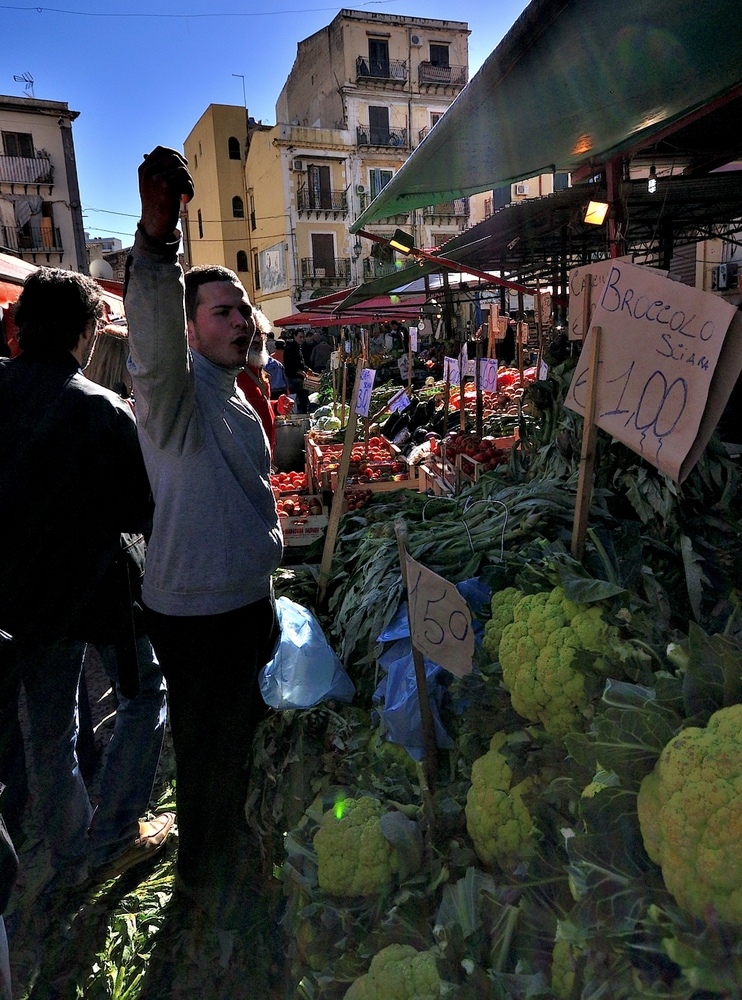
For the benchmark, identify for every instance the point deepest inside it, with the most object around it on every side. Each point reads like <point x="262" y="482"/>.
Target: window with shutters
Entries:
<point x="378" y="123"/>
<point x="323" y="255"/>
<point x="200" y="225"/>
<point x="256" y="268"/>
<point x="320" y="193"/>
<point x="439" y="55"/>
<point x="379" y="179"/>
<point x="18" y="144"/>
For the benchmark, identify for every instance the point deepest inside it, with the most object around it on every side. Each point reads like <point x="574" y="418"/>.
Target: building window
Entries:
<point x="435" y="117"/>
<point x="241" y="260"/>
<point x="320" y="192"/>
<point x="379" y="179"/>
<point x="200" y="225"/>
<point x="378" y="123"/>
<point x="561" y="180"/>
<point x="439" y="55"/>
<point x="18" y="144"/>
<point x="234" y="148"/>
<point x="378" y="57"/>
<point x="253" y="223"/>
<point x="256" y="269"/>
<point x="238" y="208"/>
<point x="502" y="196"/>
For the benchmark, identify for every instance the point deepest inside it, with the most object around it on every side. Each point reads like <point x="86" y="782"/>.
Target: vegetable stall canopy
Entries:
<point x="14" y="271"/>
<point x="576" y="83"/>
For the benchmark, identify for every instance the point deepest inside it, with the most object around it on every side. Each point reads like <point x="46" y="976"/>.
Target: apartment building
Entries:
<point x="362" y="94"/>
<point x="40" y="210"/>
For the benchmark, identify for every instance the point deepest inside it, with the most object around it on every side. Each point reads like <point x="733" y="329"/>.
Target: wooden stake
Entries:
<point x="587" y="453"/>
<point x="421" y="681"/>
<point x="338" y="496"/>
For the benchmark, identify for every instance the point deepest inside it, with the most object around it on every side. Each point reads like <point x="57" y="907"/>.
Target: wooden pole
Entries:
<point x="338" y="496"/>
<point x="589" y="433"/>
<point x="478" y="386"/>
<point x="539" y="328"/>
<point x="421" y="681"/>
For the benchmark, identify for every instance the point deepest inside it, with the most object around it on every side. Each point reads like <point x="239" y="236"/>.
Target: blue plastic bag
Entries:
<point x="304" y="670"/>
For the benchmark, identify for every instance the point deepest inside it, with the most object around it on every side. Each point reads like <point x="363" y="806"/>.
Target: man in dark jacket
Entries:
<point x="72" y="479"/>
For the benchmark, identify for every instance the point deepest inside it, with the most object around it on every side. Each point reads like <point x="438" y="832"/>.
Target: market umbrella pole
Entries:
<point x="338" y="496"/>
<point x="421" y="681"/>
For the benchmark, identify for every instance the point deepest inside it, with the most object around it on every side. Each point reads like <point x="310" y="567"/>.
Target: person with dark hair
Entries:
<point x="216" y="538"/>
<point x="295" y="369"/>
<point x="275" y="371"/>
<point x="72" y="480"/>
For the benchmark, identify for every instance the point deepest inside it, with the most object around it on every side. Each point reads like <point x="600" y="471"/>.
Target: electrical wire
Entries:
<point x="181" y="17"/>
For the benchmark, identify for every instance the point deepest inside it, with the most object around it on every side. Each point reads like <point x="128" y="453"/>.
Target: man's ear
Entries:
<point x="191" y="330"/>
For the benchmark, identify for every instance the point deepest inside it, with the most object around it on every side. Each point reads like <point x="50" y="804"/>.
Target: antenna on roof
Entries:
<point x="27" y="80"/>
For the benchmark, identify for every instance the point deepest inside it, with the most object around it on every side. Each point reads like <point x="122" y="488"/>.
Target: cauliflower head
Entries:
<point x="354" y="857"/>
<point x="690" y="813"/>
<point x="537" y="654"/>
<point x="398" y="972"/>
<point x="501" y="606"/>
<point x="497" y="819"/>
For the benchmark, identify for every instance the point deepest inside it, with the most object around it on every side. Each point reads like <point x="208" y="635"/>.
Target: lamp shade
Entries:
<point x="596" y="212"/>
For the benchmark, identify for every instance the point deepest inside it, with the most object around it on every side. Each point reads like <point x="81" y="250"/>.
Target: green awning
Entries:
<point x="573" y="83"/>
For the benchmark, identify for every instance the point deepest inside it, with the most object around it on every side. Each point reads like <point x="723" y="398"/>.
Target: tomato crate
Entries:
<point x="396" y="482"/>
<point x="303" y="530"/>
<point x="285" y="483"/>
<point x="375" y="466"/>
<point x="470" y="468"/>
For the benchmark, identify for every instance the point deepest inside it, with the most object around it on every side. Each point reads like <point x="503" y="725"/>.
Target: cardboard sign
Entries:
<point x="440" y="619"/>
<point x="413" y="337"/>
<point x="666" y="368"/>
<point x="488" y="374"/>
<point x="364" y="391"/>
<point x="452" y="370"/>
<point x="598" y="274"/>
<point x="543" y="371"/>
<point x="403" y="363"/>
<point x="399" y="401"/>
<point x="335" y="360"/>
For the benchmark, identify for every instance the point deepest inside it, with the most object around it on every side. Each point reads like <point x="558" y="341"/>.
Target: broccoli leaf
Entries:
<point x="628" y="733"/>
<point x="713" y="677"/>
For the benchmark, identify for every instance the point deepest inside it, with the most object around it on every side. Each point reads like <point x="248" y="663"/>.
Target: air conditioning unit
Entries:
<point x="521" y="189"/>
<point x="297" y="165"/>
<point x="360" y="189"/>
<point x="416" y="40"/>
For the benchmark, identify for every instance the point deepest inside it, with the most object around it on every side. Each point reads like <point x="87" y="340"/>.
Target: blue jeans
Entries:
<point x="50" y="673"/>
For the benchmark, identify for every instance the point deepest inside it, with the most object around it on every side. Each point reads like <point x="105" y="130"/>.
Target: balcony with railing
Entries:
<point x="373" y="268"/>
<point x="429" y="75"/>
<point x="25" y="170"/>
<point x="325" y="270"/>
<point x="456" y="209"/>
<point x="392" y="71"/>
<point x="35" y="239"/>
<point x="390" y="137"/>
<point x="328" y="202"/>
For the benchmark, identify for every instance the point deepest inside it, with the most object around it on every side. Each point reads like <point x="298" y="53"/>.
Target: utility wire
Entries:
<point x="181" y="17"/>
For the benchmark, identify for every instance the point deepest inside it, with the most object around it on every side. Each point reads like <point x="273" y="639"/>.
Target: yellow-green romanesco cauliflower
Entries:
<point x="537" y="652"/>
<point x="690" y="812"/>
<point x="501" y="607"/>
<point x="354" y="857"/>
<point x="398" y="972"/>
<point x="497" y="819"/>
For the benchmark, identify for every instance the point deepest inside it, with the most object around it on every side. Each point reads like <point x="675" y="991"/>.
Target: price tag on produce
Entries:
<point x="364" y="391"/>
<point x="543" y="371"/>
<point x="403" y="363"/>
<point x="662" y="344"/>
<point x="451" y="370"/>
<point x="413" y="339"/>
<point x="335" y="360"/>
<point x="440" y="619"/>
<point x="488" y="374"/>
<point x="399" y="401"/>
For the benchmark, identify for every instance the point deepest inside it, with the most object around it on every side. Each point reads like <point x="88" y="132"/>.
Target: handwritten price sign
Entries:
<point x="364" y="391"/>
<point x="399" y="401"/>
<point x="440" y="619"/>
<point x="452" y="369"/>
<point x="596" y="276"/>
<point x="413" y="338"/>
<point x="488" y="374"/>
<point x="660" y="346"/>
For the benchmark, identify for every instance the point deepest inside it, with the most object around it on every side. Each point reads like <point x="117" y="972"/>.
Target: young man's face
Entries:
<point x="223" y="327"/>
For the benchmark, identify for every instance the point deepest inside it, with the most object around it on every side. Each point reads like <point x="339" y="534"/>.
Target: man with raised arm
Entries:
<point x="216" y="539"/>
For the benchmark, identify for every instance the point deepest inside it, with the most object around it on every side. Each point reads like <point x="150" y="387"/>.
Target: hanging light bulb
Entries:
<point x="652" y="182"/>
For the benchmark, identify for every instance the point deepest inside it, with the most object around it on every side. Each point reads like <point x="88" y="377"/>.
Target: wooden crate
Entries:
<point x="432" y="478"/>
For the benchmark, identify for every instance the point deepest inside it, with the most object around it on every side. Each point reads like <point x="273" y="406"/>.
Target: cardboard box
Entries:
<point x="303" y="530"/>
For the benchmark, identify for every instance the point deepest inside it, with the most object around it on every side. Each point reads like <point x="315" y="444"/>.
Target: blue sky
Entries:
<point x="142" y="73"/>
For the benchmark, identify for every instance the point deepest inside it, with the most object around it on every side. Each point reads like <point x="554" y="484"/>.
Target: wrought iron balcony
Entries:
<point x="441" y="76"/>
<point x="326" y="270"/>
<point x="38" y="239"/>
<point x="394" y="70"/>
<point x="310" y="200"/>
<point x="373" y="268"/>
<point x="394" y="137"/>
<point x="36" y="169"/>
<point x="458" y="208"/>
